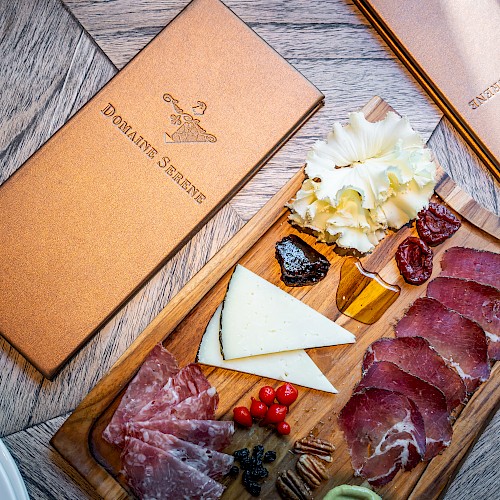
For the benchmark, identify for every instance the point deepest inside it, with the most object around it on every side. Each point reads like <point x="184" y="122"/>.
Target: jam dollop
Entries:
<point x="414" y="260"/>
<point x="436" y="223"/>
<point x="300" y="263"/>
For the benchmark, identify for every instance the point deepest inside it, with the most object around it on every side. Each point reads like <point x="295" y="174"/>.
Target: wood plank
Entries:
<point x="72" y="440"/>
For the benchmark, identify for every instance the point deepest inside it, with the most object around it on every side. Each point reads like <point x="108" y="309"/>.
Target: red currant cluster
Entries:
<point x="266" y="409"/>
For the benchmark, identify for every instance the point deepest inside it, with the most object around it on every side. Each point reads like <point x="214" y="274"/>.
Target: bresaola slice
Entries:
<point x="415" y="356"/>
<point x="472" y="264"/>
<point x="156" y="370"/>
<point x="153" y="474"/>
<point x="384" y="432"/>
<point x="460" y="341"/>
<point x="213" y="434"/>
<point x="188" y="382"/>
<point x="473" y="300"/>
<point x="430" y="401"/>
<point x="212" y="463"/>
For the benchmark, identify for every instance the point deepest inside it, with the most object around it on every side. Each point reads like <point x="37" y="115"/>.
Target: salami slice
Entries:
<point x="153" y="474"/>
<point x="384" y="432"/>
<point x="460" y="341"/>
<point x="416" y="356"/>
<point x="189" y="382"/>
<point x="158" y="367"/>
<point x="210" y="462"/>
<point x="473" y="300"/>
<point x="213" y="434"/>
<point x="430" y="401"/>
<point x="471" y="264"/>
<point x="202" y="407"/>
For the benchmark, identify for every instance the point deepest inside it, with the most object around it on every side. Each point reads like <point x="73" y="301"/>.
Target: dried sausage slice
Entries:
<point x="460" y="341"/>
<point x="416" y="356"/>
<point x="430" y="401"/>
<point x="154" y="373"/>
<point x="384" y="432"/>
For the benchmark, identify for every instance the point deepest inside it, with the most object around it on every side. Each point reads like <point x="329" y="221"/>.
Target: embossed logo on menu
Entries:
<point x="184" y="127"/>
<point x="485" y="95"/>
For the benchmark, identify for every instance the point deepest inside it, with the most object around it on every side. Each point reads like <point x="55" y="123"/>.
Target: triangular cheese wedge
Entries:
<point x="260" y="318"/>
<point x="295" y="367"/>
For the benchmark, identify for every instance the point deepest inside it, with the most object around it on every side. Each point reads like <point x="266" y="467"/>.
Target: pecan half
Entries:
<point x="291" y="487"/>
<point x="315" y="446"/>
<point x="311" y="470"/>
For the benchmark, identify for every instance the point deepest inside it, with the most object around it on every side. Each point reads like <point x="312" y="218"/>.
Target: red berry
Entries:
<point x="267" y="395"/>
<point x="283" y="428"/>
<point x="258" y="409"/>
<point x="241" y="415"/>
<point x="286" y="394"/>
<point x="276" y="413"/>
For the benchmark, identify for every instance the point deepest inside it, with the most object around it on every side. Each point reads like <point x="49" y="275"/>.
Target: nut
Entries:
<point x="311" y="470"/>
<point x="315" y="446"/>
<point x="291" y="487"/>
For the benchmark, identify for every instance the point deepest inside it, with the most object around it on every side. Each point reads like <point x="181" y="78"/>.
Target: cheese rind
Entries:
<point x="295" y="367"/>
<point x="260" y="318"/>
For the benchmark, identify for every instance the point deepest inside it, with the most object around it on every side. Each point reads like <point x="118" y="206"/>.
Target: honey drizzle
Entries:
<point x="363" y="295"/>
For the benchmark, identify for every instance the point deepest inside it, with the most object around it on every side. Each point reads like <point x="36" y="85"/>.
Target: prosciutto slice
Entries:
<point x="210" y="462"/>
<point x="213" y="434"/>
<point x="202" y="406"/>
<point x="155" y="474"/>
<point x="384" y="432"/>
<point x="430" y="401"/>
<point x="416" y="356"/>
<point x="473" y="300"/>
<point x="189" y="382"/>
<point x="158" y="367"/>
<point x="460" y="341"/>
<point x="471" y="264"/>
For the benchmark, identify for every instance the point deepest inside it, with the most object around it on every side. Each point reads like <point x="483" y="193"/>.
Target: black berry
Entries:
<point x="270" y="456"/>
<point x="240" y="454"/>
<point x="234" y="471"/>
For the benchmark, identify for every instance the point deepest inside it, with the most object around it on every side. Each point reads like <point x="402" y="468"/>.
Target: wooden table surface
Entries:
<point x="56" y="56"/>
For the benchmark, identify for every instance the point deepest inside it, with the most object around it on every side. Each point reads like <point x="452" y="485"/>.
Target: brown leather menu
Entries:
<point x="135" y="172"/>
<point x="451" y="47"/>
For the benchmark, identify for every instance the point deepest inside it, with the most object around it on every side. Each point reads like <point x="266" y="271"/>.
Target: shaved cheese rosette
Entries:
<point x="365" y="178"/>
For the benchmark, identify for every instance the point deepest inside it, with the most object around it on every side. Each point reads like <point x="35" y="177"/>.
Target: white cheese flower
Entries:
<point x="365" y="178"/>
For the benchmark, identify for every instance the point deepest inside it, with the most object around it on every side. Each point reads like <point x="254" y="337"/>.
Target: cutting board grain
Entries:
<point x="181" y="325"/>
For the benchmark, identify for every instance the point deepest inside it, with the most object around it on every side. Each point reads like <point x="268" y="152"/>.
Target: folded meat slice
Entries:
<point x="473" y="300"/>
<point x="202" y="407"/>
<point x="154" y="373"/>
<point x="430" y="401"/>
<point x="472" y="264"/>
<point x="189" y="382"/>
<point x="416" y="356"/>
<point x="213" y="434"/>
<point x="460" y="341"/>
<point x="210" y="462"/>
<point x="153" y="474"/>
<point x="384" y="432"/>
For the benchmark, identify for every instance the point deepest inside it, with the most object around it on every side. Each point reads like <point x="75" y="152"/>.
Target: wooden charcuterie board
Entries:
<point x="181" y="324"/>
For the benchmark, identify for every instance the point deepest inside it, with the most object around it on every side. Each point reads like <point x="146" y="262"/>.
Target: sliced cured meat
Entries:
<point x="384" y="432"/>
<point x="416" y="356"/>
<point x="460" y="341"/>
<point x="201" y="406"/>
<point x="213" y="434"/>
<point x="157" y="368"/>
<point x="153" y="474"/>
<point x="473" y="300"/>
<point x="430" y="401"/>
<point x="210" y="462"/>
<point x="189" y="382"/>
<point x="472" y="264"/>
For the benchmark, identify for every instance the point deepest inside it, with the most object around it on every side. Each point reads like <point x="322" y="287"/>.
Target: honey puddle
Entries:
<point x="362" y="295"/>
